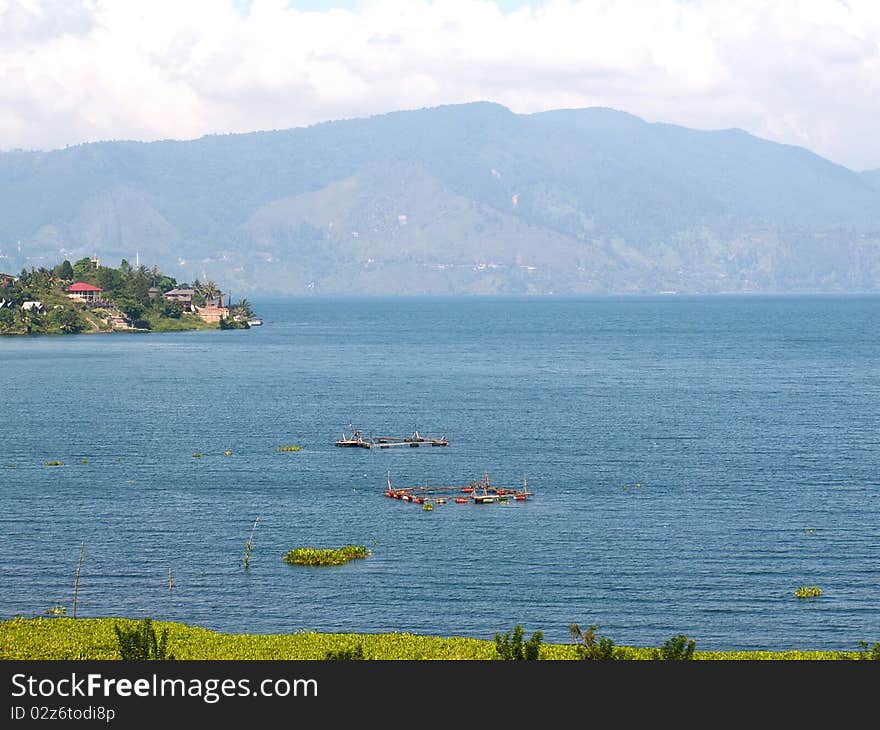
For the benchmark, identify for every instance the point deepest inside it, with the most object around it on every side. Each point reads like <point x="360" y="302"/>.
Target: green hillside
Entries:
<point x="126" y="299"/>
<point x="458" y="199"/>
<point x="873" y="178"/>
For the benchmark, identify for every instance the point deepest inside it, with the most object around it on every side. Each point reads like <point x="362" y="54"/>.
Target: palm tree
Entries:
<point x="243" y="309"/>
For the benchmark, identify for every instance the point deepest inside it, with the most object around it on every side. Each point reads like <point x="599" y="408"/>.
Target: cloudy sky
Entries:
<point x="804" y="72"/>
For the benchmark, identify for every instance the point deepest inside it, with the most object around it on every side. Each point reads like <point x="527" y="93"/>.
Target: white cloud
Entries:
<point x="797" y="71"/>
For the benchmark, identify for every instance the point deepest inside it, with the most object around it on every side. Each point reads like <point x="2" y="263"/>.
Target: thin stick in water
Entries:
<point x="249" y="545"/>
<point x="82" y="550"/>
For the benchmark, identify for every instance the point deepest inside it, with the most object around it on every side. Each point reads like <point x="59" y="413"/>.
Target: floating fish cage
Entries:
<point x="476" y="492"/>
<point x="357" y="440"/>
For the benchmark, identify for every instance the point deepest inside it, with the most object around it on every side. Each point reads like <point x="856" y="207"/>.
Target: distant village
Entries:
<point x="88" y="297"/>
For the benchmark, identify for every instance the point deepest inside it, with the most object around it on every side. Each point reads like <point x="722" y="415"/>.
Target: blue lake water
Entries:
<point x="694" y="461"/>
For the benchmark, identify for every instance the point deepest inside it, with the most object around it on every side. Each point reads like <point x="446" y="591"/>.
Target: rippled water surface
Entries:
<point x="694" y="460"/>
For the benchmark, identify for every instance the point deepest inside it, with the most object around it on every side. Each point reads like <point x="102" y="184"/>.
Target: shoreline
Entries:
<point x="66" y="638"/>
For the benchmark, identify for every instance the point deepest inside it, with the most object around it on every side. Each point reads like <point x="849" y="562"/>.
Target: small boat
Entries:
<point x="521" y="495"/>
<point x="354" y="440"/>
<point x="255" y="322"/>
<point x="484" y="498"/>
<point x="461" y="500"/>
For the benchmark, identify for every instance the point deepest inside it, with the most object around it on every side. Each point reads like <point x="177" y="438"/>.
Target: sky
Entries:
<point x="801" y="72"/>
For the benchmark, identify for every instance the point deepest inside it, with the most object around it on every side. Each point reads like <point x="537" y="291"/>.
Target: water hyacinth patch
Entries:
<point x="808" y="592"/>
<point x="291" y="447"/>
<point x="325" y="556"/>
<point x="67" y="638"/>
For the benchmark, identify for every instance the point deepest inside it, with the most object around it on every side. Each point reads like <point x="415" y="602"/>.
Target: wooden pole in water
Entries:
<point x="82" y="550"/>
<point x="250" y="546"/>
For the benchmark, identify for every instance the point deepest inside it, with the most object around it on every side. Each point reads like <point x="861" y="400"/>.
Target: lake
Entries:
<point x="694" y="460"/>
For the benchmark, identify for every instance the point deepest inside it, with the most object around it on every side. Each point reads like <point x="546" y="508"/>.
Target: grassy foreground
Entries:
<point x="84" y="638"/>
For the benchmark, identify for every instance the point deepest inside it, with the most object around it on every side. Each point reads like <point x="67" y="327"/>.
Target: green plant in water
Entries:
<point x="354" y="653"/>
<point x="291" y="447"/>
<point x="228" y="452"/>
<point x="869" y="652"/>
<point x="808" y="592"/>
<point x="53" y="463"/>
<point x="198" y="455"/>
<point x="140" y="643"/>
<point x="586" y="645"/>
<point x="83" y="461"/>
<point x="56" y="611"/>
<point x="325" y="556"/>
<point x="678" y="648"/>
<point x="511" y="647"/>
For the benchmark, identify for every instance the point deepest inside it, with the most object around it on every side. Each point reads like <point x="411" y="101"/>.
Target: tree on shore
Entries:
<point x="242" y="310"/>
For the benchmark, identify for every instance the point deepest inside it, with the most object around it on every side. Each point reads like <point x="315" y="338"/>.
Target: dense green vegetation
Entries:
<point x="131" y="299"/>
<point x="678" y="648"/>
<point x="586" y="645"/>
<point x="140" y="643"/>
<point x="511" y="647"/>
<point x="325" y="556"/>
<point x="83" y="638"/>
<point x="352" y="653"/>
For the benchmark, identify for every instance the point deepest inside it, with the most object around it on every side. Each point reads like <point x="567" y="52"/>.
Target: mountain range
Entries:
<point x="459" y="199"/>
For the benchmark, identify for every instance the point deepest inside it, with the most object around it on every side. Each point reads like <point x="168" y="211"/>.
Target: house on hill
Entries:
<point x="213" y="311"/>
<point x="184" y="296"/>
<point x="82" y="292"/>
<point x="7" y="279"/>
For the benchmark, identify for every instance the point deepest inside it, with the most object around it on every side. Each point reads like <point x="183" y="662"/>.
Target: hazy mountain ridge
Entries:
<point x="873" y="178"/>
<point x="455" y="199"/>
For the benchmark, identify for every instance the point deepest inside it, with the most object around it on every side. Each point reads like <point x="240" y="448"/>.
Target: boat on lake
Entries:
<point x="354" y="439"/>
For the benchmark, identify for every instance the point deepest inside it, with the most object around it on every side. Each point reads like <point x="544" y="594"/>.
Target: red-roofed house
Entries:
<point x="84" y="292"/>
